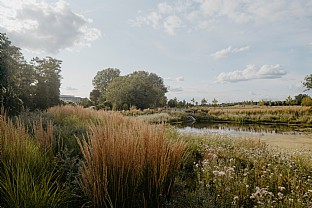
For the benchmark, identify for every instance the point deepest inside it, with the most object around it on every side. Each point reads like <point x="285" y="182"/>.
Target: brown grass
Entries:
<point x="128" y="162"/>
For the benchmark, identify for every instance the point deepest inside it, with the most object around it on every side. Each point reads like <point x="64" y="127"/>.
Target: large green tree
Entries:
<point x="100" y="82"/>
<point x="29" y="85"/>
<point x="10" y="61"/>
<point x="141" y="89"/>
<point x="47" y="83"/>
<point x="308" y="82"/>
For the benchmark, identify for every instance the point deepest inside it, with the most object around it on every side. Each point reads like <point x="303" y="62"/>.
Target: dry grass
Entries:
<point x="128" y="163"/>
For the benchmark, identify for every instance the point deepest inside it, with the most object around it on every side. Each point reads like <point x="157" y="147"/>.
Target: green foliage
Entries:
<point x="235" y="172"/>
<point x="306" y="101"/>
<point x="28" y="172"/>
<point x="103" y="78"/>
<point x="142" y="89"/>
<point x="27" y="85"/>
<point x="308" y="82"/>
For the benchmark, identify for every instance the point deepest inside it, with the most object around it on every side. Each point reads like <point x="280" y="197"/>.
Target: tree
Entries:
<point x="289" y="101"/>
<point x="299" y="98"/>
<point x="193" y="101"/>
<point x="48" y="82"/>
<point x="214" y="101"/>
<point x="172" y="103"/>
<point x="103" y="78"/>
<point x="10" y="60"/>
<point x="308" y="82"/>
<point x="306" y="101"/>
<point x="203" y="101"/>
<point x="140" y="89"/>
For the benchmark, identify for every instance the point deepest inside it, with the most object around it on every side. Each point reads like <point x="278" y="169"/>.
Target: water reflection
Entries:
<point x="229" y="128"/>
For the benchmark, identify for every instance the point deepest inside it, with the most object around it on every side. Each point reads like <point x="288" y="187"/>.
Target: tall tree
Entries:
<point x="140" y="89"/>
<point x="48" y="82"/>
<point x="10" y="60"/>
<point x="104" y="77"/>
<point x="308" y="82"/>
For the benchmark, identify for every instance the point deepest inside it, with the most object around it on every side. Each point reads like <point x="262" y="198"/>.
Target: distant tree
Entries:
<point x="142" y="89"/>
<point x="193" y="101"/>
<point x="214" y="101"/>
<point x="306" y="101"/>
<point x="172" y="103"/>
<point x="299" y="98"/>
<point x="290" y="101"/>
<point x="308" y="82"/>
<point x="203" y="101"/>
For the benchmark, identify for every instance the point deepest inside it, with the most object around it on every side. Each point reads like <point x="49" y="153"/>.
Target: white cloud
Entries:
<point x="251" y="72"/>
<point x="171" y="24"/>
<point x="69" y="88"/>
<point x="164" y="8"/>
<point x="180" y="79"/>
<point x="229" y="50"/>
<point x="41" y="27"/>
<point x="175" y="89"/>
<point x="206" y="14"/>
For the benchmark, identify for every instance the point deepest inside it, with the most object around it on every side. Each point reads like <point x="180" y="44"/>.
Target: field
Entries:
<point x="75" y="157"/>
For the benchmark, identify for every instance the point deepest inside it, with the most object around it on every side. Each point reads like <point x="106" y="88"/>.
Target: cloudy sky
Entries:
<point x="231" y="50"/>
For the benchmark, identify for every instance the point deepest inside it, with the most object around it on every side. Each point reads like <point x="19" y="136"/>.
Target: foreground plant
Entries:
<point x="28" y="174"/>
<point x="129" y="163"/>
<point x="246" y="173"/>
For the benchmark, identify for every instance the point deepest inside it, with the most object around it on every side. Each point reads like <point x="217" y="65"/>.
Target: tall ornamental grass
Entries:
<point x="28" y="174"/>
<point x="128" y="163"/>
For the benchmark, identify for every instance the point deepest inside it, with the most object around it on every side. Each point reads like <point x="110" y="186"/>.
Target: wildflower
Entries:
<point x="281" y="188"/>
<point x="280" y="195"/>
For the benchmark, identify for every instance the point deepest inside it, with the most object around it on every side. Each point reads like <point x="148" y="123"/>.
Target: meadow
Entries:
<point x="74" y="157"/>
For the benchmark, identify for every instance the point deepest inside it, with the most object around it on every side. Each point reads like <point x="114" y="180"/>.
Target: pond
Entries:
<point x="281" y="135"/>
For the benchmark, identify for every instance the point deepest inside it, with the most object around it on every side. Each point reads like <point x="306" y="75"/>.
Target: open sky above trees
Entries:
<point x="229" y="50"/>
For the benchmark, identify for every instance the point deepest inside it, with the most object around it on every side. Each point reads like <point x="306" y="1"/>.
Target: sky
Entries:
<point x="230" y="50"/>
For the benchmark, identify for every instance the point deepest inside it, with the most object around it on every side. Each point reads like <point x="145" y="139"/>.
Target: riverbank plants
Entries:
<point x="235" y="172"/>
<point x="74" y="157"/>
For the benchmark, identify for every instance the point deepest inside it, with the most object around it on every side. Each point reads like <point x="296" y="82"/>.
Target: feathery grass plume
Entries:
<point x="128" y="162"/>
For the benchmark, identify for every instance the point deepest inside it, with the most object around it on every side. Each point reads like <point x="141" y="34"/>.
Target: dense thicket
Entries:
<point x="27" y="85"/>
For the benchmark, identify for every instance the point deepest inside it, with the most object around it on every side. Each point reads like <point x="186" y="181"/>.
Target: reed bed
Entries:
<point x="129" y="163"/>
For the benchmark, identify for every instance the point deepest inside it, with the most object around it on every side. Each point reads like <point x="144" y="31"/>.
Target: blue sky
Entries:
<point x="231" y="50"/>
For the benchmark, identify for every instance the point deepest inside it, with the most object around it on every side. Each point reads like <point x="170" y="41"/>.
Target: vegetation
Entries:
<point x="23" y="85"/>
<point x="308" y="82"/>
<point x="101" y="159"/>
<point x="140" y="89"/>
<point x="230" y="172"/>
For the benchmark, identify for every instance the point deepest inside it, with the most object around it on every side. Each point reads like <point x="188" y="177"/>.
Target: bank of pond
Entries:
<point x="73" y="157"/>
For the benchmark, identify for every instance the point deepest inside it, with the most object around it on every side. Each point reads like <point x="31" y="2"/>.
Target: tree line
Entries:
<point x="27" y="85"/>
<point x="36" y="85"/>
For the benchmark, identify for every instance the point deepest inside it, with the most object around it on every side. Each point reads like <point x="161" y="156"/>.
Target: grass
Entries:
<point x="28" y="176"/>
<point x="129" y="163"/>
<point x="234" y="172"/>
<point x="74" y="157"/>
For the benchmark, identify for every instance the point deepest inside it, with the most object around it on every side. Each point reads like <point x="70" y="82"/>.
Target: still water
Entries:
<point x="245" y="129"/>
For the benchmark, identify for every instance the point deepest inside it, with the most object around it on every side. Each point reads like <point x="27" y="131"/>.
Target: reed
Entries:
<point x="128" y="163"/>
